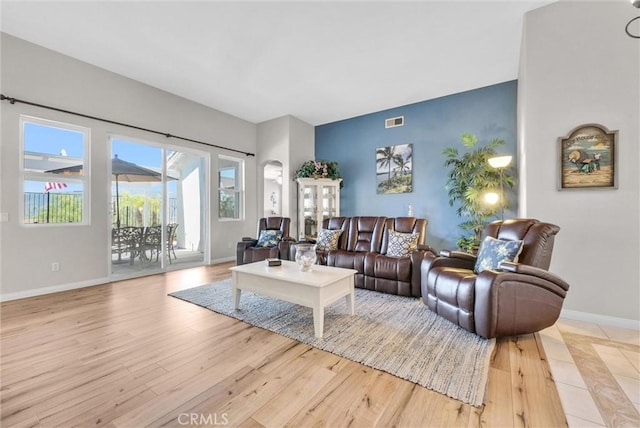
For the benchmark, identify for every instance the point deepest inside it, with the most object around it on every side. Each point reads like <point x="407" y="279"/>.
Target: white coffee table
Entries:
<point x="316" y="289"/>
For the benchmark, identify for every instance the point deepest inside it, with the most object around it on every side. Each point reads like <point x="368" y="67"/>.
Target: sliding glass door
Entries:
<point x="158" y="202"/>
<point x="187" y="197"/>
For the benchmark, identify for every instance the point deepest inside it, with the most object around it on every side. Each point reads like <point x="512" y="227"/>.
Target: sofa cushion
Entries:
<point x="328" y="239"/>
<point x="269" y="238"/>
<point x="365" y="234"/>
<point x="402" y="244"/>
<point x="495" y="251"/>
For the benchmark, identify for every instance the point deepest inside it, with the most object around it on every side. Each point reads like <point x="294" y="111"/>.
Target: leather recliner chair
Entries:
<point x="517" y="298"/>
<point x="248" y="252"/>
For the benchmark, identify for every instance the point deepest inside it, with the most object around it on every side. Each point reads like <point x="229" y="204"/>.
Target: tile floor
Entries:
<point x="597" y="372"/>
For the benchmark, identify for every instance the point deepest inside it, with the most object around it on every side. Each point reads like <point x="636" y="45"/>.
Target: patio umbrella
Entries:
<point x="121" y="170"/>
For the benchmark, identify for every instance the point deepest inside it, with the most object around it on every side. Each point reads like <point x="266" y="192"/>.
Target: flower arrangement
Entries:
<point x="319" y="169"/>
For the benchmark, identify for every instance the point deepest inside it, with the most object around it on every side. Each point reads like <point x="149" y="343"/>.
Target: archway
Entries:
<point x="272" y="189"/>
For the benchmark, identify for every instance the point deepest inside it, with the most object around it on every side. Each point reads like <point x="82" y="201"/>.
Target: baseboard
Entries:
<point x="600" y="319"/>
<point x="223" y="260"/>
<point x="5" y="297"/>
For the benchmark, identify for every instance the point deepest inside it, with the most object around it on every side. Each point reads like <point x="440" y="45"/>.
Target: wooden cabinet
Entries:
<point x="318" y="198"/>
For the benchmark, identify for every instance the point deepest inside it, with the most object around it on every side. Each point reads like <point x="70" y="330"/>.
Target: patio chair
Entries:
<point x="171" y="236"/>
<point x="126" y="240"/>
<point x="151" y="242"/>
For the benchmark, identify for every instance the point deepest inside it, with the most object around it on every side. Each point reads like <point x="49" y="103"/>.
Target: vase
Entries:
<point x="306" y="256"/>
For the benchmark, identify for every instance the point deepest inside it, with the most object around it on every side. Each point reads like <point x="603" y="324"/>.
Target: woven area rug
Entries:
<point x="398" y="335"/>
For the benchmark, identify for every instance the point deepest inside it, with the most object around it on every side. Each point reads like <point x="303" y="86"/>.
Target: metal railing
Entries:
<point x="43" y="208"/>
<point x="52" y="207"/>
<point x="135" y="216"/>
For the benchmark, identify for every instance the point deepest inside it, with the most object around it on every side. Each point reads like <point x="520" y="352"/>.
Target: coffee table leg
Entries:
<point x="235" y="291"/>
<point x="236" y="297"/>
<point x="318" y="321"/>
<point x="351" y="302"/>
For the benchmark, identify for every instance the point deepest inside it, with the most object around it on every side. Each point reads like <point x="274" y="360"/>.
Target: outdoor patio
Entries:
<point x="127" y="267"/>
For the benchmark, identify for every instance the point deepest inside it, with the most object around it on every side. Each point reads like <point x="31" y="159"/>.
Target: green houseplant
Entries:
<point x="469" y="179"/>
<point x="319" y="169"/>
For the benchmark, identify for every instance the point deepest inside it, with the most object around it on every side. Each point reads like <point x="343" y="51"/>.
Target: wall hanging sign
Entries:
<point x="394" y="169"/>
<point x="587" y="158"/>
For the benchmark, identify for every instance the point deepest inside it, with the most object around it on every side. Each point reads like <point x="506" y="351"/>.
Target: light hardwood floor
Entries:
<point x="126" y="355"/>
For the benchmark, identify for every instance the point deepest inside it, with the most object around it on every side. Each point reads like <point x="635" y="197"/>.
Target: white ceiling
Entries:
<point x="318" y="61"/>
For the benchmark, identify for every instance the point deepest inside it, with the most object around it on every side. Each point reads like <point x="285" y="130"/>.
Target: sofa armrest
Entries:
<point x="452" y="254"/>
<point x="521" y="300"/>
<point x="246" y="243"/>
<point x="284" y="247"/>
<point x="447" y="258"/>
<point x="425" y="247"/>
<point x="416" y="263"/>
<point x="534" y="272"/>
<point x="242" y="246"/>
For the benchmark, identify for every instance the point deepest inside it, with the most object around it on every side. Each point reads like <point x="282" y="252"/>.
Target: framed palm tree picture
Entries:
<point x="394" y="169"/>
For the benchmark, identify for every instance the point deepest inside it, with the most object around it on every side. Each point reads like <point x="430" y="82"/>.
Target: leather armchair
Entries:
<point x="517" y="298"/>
<point x="248" y="252"/>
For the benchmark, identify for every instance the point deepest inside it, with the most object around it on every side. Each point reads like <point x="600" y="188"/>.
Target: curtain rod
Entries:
<point x="16" y="100"/>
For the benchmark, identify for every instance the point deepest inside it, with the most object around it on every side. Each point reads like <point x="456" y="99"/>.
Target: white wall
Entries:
<point x="578" y="67"/>
<point x="302" y="149"/>
<point x="291" y="141"/>
<point x="36" y="74"/>
<point x="273" y="145"/>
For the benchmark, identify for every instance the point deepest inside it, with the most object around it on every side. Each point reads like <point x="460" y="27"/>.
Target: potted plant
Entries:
<point x="470" y="178"/>
<point x="319" y="169"/>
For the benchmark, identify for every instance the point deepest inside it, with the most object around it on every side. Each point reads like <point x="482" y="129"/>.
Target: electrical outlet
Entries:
<point x="55" y="267"/>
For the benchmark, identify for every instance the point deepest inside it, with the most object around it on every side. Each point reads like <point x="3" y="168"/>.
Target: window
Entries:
<point x="55" y="172"/>
<point x="230" y="188"/>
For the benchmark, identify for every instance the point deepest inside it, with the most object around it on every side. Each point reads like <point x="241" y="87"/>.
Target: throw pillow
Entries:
<point x="495" y="251"/>
<point x="402" y="244"/>
<point x="328" y="239"/>
<point x="269" y="238"/>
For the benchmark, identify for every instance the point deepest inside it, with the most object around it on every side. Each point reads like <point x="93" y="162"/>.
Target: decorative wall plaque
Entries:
<point x="587" y="158"/>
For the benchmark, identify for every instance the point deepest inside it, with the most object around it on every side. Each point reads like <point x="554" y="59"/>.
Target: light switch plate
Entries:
<point x="4" y="217"/>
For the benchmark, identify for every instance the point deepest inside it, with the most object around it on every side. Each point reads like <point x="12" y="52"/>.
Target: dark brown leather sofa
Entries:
<point x="517" y="298"/>
<point x="363" y="246"/>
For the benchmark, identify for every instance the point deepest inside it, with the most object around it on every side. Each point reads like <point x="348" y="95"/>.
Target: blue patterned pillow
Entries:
<point x="495" y="251"/>
<point x="328" y="239"/>
<point x="269" y="238"/>
<point x="402" y="244"/>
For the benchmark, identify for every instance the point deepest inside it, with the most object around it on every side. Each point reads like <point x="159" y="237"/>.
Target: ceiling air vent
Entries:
<point x="394" y="121"/>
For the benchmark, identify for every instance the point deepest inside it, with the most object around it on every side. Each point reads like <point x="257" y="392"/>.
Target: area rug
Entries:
<point x="395" y="334"/>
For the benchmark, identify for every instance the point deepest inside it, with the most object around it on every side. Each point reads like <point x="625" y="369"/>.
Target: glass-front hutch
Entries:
<point x="318" y="198"/>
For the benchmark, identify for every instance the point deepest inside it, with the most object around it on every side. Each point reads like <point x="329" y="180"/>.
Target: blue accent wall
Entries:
<point x="430" y="126"/>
